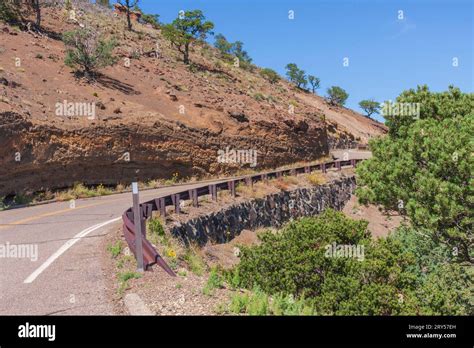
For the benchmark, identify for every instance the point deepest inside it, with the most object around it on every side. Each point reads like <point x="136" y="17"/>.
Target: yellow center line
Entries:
<point x="57" y="212"/>
<point x="37" y="217"/>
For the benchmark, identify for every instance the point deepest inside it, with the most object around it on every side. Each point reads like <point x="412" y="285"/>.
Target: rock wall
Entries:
<point x="39" y="157"/>
<point x="272" y="211"/>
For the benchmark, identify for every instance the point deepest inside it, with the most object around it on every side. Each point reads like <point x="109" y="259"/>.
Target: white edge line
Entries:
<point x="64" y="248"/>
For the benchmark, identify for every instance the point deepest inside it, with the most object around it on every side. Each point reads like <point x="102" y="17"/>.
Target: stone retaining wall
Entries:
<point x="271" y="211"/>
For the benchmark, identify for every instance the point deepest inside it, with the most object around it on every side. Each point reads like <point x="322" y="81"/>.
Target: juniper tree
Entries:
<point x="187" y="29"/>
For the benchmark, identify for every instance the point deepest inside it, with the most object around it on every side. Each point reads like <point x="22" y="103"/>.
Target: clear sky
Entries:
<point x="386" y="54"/>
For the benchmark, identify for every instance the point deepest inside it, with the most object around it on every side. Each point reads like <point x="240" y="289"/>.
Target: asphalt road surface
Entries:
<point x="65" y="275"/>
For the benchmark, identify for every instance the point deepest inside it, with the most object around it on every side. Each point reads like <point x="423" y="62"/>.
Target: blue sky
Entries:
<point x="386" y="54"/>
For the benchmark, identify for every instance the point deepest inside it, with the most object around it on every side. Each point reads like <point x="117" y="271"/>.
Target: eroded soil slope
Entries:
<point x="153" y="117"/>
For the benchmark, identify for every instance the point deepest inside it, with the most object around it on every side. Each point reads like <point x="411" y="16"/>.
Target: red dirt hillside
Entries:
<point x="167" y="116"/>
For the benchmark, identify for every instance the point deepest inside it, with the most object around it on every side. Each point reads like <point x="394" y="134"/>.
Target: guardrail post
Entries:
<point x="307" y="170"/>
<point x="293" y="172"/>
<point x="176" y="202"/>
<point x="338" y="165"/>
<point x="279" y="174"/>
<point x="194" y="197"/>
<point x="323" y="167"/>
<point x="137" y="220"/>
<point x="265" y="178"/>
<point x="353" y="162"/>
<point x="249" y="181"/>
<point x="231" y="186"/>
<point x="213" y="191"/>
<point x="160" y="206"/>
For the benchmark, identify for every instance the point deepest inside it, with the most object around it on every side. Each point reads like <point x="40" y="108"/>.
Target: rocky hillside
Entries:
<point x="153" y="117"/>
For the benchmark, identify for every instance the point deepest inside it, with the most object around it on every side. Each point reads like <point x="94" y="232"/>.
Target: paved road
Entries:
<point x="70" y="282"/>
<point x="66" y="277"/>
<point x="350" y="154"/>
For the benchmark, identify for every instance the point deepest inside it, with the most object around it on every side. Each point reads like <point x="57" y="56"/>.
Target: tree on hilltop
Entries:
<point x="370" y="106"/>
<point x="187" y="29"/>
<point x="296" y="75"/>
<point x="337" y="95"/>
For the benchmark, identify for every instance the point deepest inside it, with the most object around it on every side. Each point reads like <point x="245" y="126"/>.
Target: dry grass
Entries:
<point x="257" y="190"/>
<point x="316" y="179"/>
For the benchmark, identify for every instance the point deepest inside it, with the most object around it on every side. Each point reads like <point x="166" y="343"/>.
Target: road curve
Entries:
<point x="67" y="276"/>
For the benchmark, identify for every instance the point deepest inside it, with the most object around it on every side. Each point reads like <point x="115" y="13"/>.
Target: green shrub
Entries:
<point x="195" y="262"/>
<point x="404" y="274"/>
<point x="259" y="97"/>
<point x="9" y="12"/>
<point x="151" y="19"/>
<point x="87" y="51"/>
<point x="155" y="227"/>
<point x="213" y="282"/>
<point x="270" y="75"/>
<point x="257" y="302"/>
<point x="115" y="249"/>
<point x="298" y="253"/>
<point x="21" y="199"/>
<point x="126" y="276"/>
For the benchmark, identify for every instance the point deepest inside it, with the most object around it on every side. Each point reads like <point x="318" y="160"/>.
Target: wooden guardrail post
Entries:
<point x="249" y="181"/>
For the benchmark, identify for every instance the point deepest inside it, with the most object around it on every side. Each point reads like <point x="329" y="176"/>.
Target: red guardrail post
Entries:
<point x="160" y="206"/>
<point x="249" y="181"/>
<point x="213" y="191"/>
<point x="176" y="202"/>
<point x="231" y="186"/>
<point x="194" y="197"/>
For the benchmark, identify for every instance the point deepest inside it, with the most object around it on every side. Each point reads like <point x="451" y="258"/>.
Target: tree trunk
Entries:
<point x="37" y="8"/>
<point x="186" y="54"/>
<point x="129" y="22"/>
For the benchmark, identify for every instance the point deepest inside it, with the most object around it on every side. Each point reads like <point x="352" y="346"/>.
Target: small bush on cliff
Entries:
<point x="270" y="75"/>
<point x="337" y="96"/>
<point x="9" y="12"/>
<point x="87" y="51"/>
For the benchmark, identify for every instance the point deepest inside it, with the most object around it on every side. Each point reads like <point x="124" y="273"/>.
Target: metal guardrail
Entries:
<point x="151" y="256"/>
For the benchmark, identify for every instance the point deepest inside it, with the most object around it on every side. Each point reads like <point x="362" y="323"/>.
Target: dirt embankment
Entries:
<point x="153" y="115"/>
<point x="38" y="157"/>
